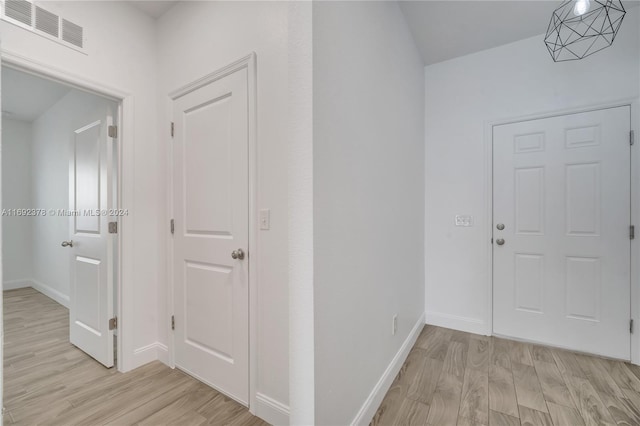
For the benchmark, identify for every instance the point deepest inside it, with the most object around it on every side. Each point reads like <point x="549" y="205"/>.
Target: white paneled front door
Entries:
<point x="561" y="217"/>
<point x="211" y="234"/>
<point x="90" y="185"/>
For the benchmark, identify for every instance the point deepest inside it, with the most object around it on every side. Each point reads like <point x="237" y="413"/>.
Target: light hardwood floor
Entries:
<point x="451" y="377"/>
<point x="47" y="381"/>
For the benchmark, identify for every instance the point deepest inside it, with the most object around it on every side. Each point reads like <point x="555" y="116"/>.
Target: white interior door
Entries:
<point x="211" y="196"/>
<point x="91" y="298"/>
<point x="561" y="189"/>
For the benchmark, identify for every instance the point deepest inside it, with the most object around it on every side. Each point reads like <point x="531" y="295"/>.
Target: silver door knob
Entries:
<point x="237" y="254"/>
<point x="67" y="243"/>
<point x="500" y="226"/>
<point x="500" y="241"/>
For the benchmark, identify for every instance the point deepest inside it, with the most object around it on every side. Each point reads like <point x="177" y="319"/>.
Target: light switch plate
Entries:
<point x="265" y="219"/>
<point x="464" y="220"/>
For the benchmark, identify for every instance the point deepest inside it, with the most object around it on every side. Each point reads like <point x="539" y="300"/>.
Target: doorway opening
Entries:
<point x="60" y="214"/>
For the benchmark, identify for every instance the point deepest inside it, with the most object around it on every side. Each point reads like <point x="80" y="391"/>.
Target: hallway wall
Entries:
<point x="196" y="38"/>
<point x="368" y="196"/>
<point x="16" y="194"/>
<point x="53" y="135"/>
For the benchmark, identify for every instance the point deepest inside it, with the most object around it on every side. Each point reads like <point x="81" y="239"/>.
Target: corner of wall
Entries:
<point x="455" y="322"/>
<point x="52" y="293"/>
<point x="155" y="351"/>
<point x="270" y="410"/>
<point x="370" y="406"/>
<point x="300" y="219"/>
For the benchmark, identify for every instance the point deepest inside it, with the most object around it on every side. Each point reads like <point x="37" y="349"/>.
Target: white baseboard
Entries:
<point x="470" y="325"/>
<point x="52" y="293"/>
<point x="15" y="284"/>
<point x="370" y="406"/>
<point x="272" y="411"/>
<point x="147" y="354"/>
<point x="163" y="353"/>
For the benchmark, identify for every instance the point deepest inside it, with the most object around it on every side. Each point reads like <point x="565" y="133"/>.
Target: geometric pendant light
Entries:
<point x="580" y="28"/>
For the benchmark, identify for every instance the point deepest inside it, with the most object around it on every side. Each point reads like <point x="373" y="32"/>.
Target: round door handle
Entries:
<point x="67" y="243"/>
<point x="500" y="241"/>
<point x="237" y="254"/>
<point x="500" y="226"/>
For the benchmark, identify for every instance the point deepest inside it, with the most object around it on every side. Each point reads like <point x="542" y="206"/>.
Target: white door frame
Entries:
<point x="248" y="62"/>
<point x="124" y="273"/>
<point x="634" y="104"/>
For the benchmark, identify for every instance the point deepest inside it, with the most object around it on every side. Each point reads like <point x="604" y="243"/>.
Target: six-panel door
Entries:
<point x="562" y="191"/>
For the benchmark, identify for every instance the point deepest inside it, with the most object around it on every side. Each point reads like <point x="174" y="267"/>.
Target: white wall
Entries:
<point x="368" y="164"/>
<point x="120" y="53"/>
<point x="300" y="187"/>
<point x="52" y="137"/>
<point x="195" y="39"/>
<point x="16" y="194"/>
<point x="464" y="94"/>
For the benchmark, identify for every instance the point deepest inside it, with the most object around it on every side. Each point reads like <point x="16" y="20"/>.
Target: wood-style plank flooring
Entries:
<point x="47" y="381"/>
<point x="456" y="378"/>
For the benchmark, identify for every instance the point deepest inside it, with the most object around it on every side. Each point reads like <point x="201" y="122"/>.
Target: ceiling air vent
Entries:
<point x="20" y="10"/>
<point x="72" y="33"/>
<point x="39" y="20"/>
<point x="47" y="22"/>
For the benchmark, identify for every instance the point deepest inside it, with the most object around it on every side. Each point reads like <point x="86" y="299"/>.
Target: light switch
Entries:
<point x="464" y="220"/>
<point x="265" y="219"/>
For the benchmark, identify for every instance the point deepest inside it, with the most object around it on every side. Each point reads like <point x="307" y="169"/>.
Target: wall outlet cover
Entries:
<point x="464" y="220"/>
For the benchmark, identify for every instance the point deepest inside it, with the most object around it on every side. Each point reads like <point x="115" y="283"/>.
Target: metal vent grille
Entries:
<point x="72" y="33"/>
<point x="47" y="22"/>
<point x="37" y="19"/>
<point x="20" y="10"/>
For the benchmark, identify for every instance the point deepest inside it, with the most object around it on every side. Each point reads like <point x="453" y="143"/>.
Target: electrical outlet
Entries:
<point x="394" y="325"/>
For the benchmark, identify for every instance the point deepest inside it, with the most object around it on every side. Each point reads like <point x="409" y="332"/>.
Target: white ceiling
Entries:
<point x="447" y="29"/>
<point x="154" y="8"/>
<point x="25" y="97"/>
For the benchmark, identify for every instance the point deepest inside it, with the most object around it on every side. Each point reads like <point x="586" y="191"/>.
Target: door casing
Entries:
<point x="634" y="104"/>
<point x="248" y="62"/>
<point x="124" y="244"/>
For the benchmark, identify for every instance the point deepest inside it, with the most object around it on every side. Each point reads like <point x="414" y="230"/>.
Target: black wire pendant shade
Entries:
<point x="580" y="28"/>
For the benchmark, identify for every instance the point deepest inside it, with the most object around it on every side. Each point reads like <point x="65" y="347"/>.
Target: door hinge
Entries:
<point x="173" y="226"/>
<point x="113" y="227"/>
<point x="172" y="129"/>
<point x="173" y="322"/>
<point x="113" y="131"/>
<point x="631" y="326"/>
<point x="113" y="323"/>
<point x="632" y="137"/>
<point x="632" y="232"/>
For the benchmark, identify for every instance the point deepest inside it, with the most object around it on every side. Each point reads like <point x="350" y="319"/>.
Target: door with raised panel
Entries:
<point x="211" y="234"/>
<point x="91" y="174"/>
<point x="561" y="213"/>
